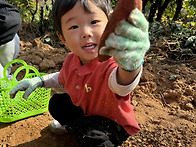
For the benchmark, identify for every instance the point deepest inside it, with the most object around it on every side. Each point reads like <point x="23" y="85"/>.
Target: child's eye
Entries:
<point x="94" y="21"/>
<point x="73" y="27"/>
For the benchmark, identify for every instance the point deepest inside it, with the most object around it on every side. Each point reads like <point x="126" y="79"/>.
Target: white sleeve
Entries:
<point x="51" y="80"/>
<point x="122" y="90"/>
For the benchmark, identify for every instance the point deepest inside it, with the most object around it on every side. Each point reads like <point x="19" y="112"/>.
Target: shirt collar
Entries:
<point x="84" y="69"/>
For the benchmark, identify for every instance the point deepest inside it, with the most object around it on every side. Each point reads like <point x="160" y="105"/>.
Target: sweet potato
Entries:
<point x="121" y="11"/>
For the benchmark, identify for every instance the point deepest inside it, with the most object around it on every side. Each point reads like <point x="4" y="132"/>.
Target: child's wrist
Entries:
<point x="132" y="69"/>
<point x="42" y="82"/>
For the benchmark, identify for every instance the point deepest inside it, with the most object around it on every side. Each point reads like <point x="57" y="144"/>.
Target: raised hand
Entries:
<point x="129" y="42"/>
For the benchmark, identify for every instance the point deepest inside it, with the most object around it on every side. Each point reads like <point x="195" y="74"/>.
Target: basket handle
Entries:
<point x="14" y="82"/>
<point x="27" y="67"/>
<point x="8" y="64"/>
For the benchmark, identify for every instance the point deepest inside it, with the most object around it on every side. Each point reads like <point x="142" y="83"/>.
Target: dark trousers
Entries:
<point x="88" y="131"/>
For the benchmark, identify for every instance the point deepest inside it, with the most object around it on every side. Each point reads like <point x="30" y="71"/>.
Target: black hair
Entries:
<point x="61" y="7"/>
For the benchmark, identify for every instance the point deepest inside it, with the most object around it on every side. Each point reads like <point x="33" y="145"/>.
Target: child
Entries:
<point x="9" y="40"/>
<point x="96" y="107"/>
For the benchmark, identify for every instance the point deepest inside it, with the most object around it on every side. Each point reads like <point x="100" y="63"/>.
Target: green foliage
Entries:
<point x="187" y="15"/>
<point x="22" y="7"/>
<point x="191" y="41"/>
<point x="30" y="10"/>
<point x="175" y="40"/>
<point x="193" y="3"/>
<point x="170" y="11"/>
<point x="114" y="2"/>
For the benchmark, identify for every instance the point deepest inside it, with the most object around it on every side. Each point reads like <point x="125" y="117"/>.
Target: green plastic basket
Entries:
<point x="19" y="108"/>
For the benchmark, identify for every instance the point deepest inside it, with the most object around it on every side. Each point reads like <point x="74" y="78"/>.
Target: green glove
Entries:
<point x="27" y="85"/>
<point x="129" y="43"/>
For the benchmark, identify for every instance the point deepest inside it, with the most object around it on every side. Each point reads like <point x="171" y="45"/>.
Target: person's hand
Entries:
<point x="129" y="42"/>
<point x="27" y="85"/>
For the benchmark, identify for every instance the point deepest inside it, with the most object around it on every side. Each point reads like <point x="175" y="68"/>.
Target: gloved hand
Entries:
<point x="129" y="43"/>
<point x="27" y="85"/>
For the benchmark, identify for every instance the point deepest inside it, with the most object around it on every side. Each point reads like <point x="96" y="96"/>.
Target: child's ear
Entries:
<point x="61" y="38"/>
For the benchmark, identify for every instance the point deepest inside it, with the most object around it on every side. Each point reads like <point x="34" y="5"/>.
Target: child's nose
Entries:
<point x="87" y="32"/>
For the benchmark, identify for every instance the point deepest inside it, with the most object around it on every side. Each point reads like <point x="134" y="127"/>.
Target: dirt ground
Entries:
<point x="164" y="100"/>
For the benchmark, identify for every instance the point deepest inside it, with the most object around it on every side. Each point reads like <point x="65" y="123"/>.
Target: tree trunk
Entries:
<point x="161" y="9"/>
<point x="178" y="9"/>
<point x="144" y="4"/>
<point x="41" y="27"/>
<point x="153" y="9"/>
<point x="33" y="12"/>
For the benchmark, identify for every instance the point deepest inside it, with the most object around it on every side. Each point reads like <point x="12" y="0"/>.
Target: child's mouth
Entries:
<point x="89" y="47"/>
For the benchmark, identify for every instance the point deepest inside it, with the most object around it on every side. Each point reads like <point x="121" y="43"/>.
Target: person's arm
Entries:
<point x="29" y="85"/>
<point x="9" y="22"/>
<point x="123" y="90"/>
<point x="51" y="80"/>
<point x="125" y="78"/>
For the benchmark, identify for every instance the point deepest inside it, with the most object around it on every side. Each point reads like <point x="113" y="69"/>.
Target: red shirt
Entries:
<point x="88" y="88"/>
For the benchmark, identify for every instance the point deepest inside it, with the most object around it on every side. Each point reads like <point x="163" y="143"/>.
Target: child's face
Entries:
<point x="82" y="31"/>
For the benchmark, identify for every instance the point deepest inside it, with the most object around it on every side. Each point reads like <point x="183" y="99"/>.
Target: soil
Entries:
<point x="164" y="100"/>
